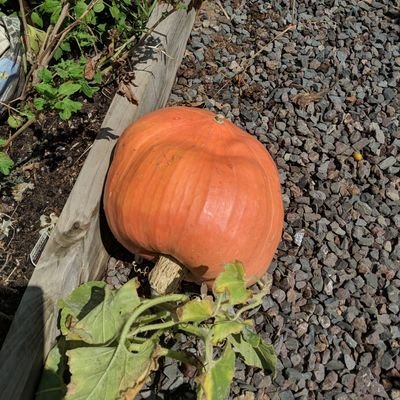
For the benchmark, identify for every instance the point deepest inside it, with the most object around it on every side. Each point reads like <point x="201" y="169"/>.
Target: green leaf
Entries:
<point x="15" y="121"/>
<point x="85" y="39"/>
<point x="5" y="163"/>
<point x="196" y="310"/>
<point x="49" y="5"/>
<point x="55" y="15"/>
<point x="65" y="46"/>
<point x="226" y="328"/>
<point x="37" y="19"/>
<point x="105" y="321"/>
<point x="109" y="372"/>
<point x="45" y="75"/>
<point x="69" y="69"/>
<point x="216" y="381"/>
<point x="254" y="351"/>
<point x="79" y="303"/>
<point x="27" y="112"/>
<point x="232" y="283"/>
<point x="80" y="8"/>
<point x="52" y="386"/>
<point x="67" y="89"/>
<point x="88" y="90"/>
<point x="98" y="78"/>
<point x="39" y="103"/>
<point x="58" y="53"/>
<point x="115" y="12"/>
<point x="46" y="89"/>
<point x="98" y="7"/>
<point x="101" y="27"/>
<point x="67" y="107"/>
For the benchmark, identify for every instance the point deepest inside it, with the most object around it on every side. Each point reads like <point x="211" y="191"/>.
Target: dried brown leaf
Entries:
<point x="19" y="189"/>
<point x="306" y="98"/>
<point x="125" y="89"/>
<point x="90" y="67"/>
<point x="351" y="99"/>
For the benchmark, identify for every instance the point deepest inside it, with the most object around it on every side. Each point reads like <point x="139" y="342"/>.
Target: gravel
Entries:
<point x="312" y="97"/>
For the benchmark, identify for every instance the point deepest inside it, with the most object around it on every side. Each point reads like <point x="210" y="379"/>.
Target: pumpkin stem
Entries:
<point x="166" y="276"/>
<point x="219" y="118"/>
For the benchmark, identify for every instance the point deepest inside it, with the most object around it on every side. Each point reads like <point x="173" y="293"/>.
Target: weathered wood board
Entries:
<point x="75" y="252"/>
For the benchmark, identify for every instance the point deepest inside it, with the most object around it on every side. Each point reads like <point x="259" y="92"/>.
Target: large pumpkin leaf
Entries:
<point x="109" y="373"/>
<point x="232" y="283"/>
<point x="224" y="329"/>
<point x="104" y="322"/>
<point x="216" y="381"/>
<point x="79" y="303"/>
<point x="196" y="310"/>
<point x="254" y="351"/>
<point x="51" y="386"/>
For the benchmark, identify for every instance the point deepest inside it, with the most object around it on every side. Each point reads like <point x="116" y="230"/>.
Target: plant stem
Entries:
<point x="209" y="349"/>
<point x="145" y="306"/>
<point x="154" y="317"/>
<point x="25" y="25"/>
<point x="22" y="129"/>
<point x="153" y="327"/>
<point x="183" y="357"/>
<point x="255" y="304"/>
<point x="194" y="330"/>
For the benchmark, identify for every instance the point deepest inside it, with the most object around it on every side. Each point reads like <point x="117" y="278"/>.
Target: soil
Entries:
<point x="48" y="157"/>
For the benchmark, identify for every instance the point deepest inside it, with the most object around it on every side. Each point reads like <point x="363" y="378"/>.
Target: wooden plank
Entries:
<point x="75" y="252"/>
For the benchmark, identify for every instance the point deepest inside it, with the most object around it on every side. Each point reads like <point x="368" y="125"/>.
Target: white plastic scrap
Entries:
<point x="11" y="73"/>
<point x="298" y="237"/>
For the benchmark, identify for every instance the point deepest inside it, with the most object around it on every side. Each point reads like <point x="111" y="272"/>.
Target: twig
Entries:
<point x="22" y="129"/>
<point x="5" y="262"/>
<point x="34" y="66"/>
<point x="43" y="57"/>
<point x="223" y="10"/>
<point x="25" y="25"/>
<point x="9" y="107"/>
<point x="244" y="67"/>
<point x="294" y="11"/>
<point x="11" y="273"/>
<point x="290" y="27"/>
<point x="119" y="50"/>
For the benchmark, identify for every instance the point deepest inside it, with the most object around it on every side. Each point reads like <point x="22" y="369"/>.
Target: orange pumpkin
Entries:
<point x="189" y="184"/>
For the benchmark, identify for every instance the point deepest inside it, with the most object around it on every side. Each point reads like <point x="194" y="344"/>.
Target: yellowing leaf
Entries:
<point x="79" y="303"/>
<point x="105" y="321"/>
<point x="196" y="310"/>
<point x="254" y="351"/>
<point x="233" y="283"/>
<point x="216" y="381"/>
<point x="36" y="36"/>
<point x="225" y="328"/>
<point x="109" y="372"/>
<point x="51" y="385"/>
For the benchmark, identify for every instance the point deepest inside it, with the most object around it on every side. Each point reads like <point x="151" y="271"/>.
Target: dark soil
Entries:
<point x="49" y="156"/>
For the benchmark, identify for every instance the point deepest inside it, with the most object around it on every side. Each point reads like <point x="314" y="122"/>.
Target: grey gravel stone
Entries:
<point x="333" y="310"/>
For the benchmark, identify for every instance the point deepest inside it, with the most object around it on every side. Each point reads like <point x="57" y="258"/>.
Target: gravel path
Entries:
<point x="314" y="96"/>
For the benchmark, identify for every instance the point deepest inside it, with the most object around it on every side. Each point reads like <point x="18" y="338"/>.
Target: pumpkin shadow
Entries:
<point x="110" y="243"/>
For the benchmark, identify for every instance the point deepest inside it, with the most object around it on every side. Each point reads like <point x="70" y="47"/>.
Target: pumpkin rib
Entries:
<point x="269" y="188"/>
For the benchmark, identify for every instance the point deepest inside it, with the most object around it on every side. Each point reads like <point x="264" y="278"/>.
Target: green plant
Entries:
<point x="70" y="46"/>
<point x="111" y="339"/>
<point x="6" y="163"/>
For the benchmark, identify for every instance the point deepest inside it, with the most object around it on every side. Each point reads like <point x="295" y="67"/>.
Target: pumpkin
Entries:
<point x="186" y="183"/>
